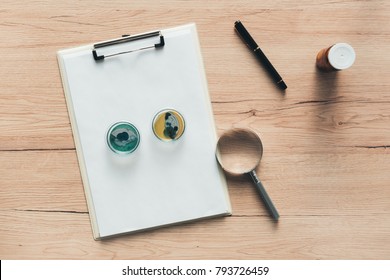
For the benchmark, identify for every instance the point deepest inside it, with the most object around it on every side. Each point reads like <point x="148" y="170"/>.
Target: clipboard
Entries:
<point x="131" y="79"/>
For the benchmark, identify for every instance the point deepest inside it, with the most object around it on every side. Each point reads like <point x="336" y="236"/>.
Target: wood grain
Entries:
<point x="326" y="141"/>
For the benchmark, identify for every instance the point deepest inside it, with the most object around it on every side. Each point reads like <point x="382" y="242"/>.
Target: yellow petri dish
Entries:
<point x="168" y="125"/>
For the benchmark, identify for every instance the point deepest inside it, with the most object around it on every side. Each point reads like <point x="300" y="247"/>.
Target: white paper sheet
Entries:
<point x="160" y="183"/>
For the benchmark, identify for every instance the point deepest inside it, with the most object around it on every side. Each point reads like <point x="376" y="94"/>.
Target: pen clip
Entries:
<point x="126" y="39"/>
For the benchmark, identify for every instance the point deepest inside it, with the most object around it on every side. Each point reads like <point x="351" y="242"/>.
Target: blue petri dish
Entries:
<point x="123" y="138"/>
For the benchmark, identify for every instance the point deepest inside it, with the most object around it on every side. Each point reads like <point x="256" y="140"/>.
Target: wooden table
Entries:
<point x="326" y="162"/>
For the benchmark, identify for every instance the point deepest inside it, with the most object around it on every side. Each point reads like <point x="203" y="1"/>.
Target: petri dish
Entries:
<point x="168" y="125"/>
<point x="123" y="138"/>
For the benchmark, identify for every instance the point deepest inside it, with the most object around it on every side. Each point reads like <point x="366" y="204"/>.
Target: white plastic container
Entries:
<point x="339" y="56"/>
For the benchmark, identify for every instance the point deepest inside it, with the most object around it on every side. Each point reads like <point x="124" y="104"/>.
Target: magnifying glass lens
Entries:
<point x="239" y="151"/>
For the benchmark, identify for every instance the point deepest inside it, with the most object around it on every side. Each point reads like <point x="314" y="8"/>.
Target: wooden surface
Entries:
<point x="326" y="161"/>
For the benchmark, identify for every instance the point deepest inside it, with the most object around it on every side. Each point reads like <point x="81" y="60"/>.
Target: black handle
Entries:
<point x="264" y="196"/>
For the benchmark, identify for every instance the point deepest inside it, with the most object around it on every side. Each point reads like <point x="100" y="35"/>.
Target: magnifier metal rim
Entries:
<point x="238" y="131"/>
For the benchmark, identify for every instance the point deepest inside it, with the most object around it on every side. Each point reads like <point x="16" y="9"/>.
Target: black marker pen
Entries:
<point x="248" y="40"/>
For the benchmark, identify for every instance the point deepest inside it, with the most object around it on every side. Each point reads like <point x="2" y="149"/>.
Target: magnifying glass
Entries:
<point x="239" y="151"/>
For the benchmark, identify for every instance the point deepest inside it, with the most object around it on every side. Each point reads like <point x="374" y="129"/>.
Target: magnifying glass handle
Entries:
<point x="264" y="196"/>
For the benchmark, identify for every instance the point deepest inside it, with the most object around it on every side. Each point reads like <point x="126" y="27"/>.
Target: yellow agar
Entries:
<point x="160" y="125"/>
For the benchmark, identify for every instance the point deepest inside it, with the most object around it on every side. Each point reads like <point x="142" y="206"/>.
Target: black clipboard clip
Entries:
<point x="127" y="39"/>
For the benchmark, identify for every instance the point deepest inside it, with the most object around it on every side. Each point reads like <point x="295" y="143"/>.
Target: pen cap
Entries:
<point x="339" y="56"/>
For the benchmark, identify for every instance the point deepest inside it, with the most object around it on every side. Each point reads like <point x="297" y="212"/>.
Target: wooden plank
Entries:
<point x="300" y="184"/>
<point x="42" y="181"/>
<point x="311" y="237"/>
<point x="38" y="118"/>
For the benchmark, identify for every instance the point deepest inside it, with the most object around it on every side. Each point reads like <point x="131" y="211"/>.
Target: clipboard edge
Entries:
<point x="80" y="156"/>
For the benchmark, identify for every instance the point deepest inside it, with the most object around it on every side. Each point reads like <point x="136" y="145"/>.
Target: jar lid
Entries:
<point x="341" y="56"/>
